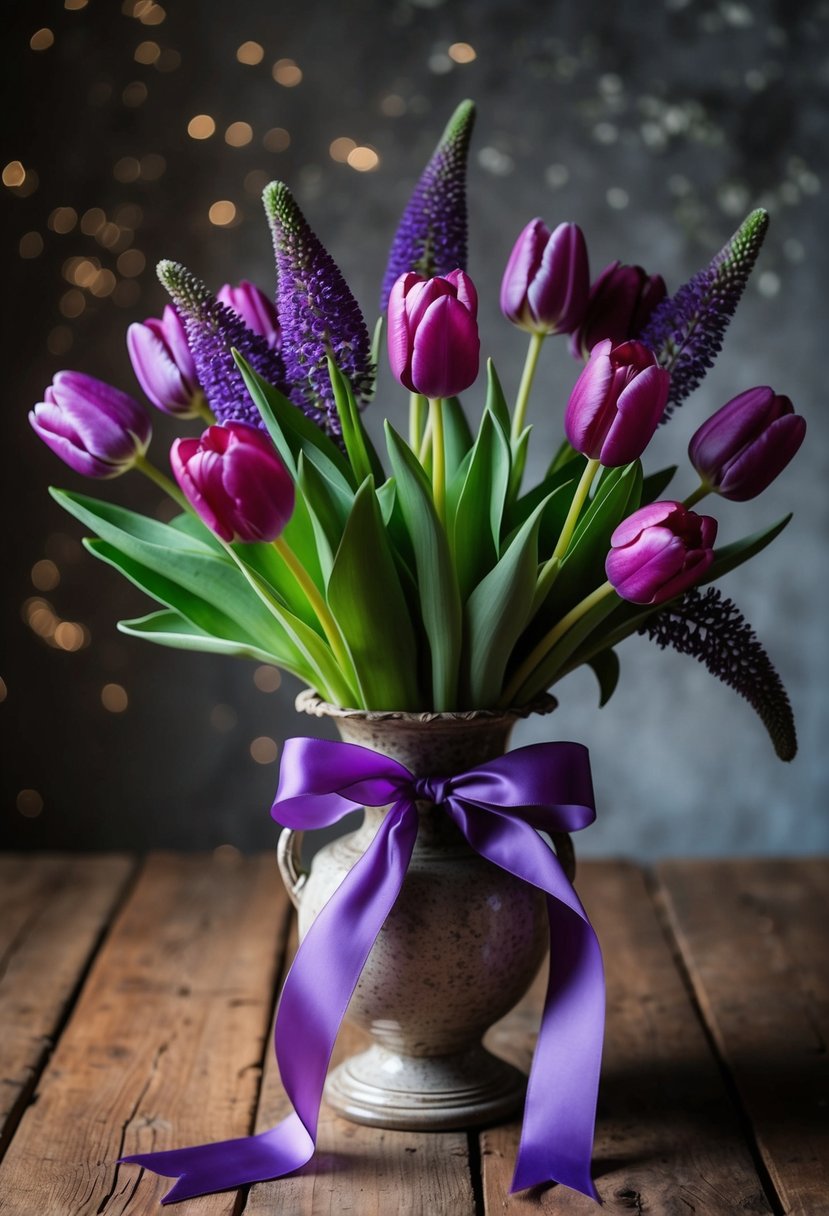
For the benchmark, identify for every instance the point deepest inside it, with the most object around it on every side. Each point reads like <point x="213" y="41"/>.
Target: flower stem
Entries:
<point x="164" y="482"/>
<point x="329" y="625"/>
<point x="543" y="648"/>
<point x="438" y="457"/>
<point x="582" y="490"/>
<point x="527" y="377"/>
<point x="417" y="420"/>
<point x="700" y="492"/>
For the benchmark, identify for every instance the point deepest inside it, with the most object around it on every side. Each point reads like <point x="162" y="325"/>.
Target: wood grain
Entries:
<point x="165" y="1044"/>
<point x="53" y="912"/>
<point x="668" y="1140"/>
<point x="363" y="1170"/>
<point x="754" y="939"/>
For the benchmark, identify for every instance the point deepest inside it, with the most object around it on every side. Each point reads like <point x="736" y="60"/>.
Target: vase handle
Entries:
<point x="290" y="866"/>
<point x="565" y="853"/>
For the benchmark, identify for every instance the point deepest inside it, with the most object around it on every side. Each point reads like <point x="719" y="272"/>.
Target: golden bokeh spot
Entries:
<point x="250" y="53"/>
<point x="131" y="263"/>
<point x="462" y="52"/>
<point x="92" y="221"/>
<point x="29" y="803"/>
<point x="222" y="213"/>
<point x="60" y="340"/>
<point x="41" y="40"/>
<point x="71" y="636"/>
<point x="72" y="304"/>
<point x="340" y="149"/>
<point x="4" y="692"/>
<point x="127" y="169"/>
<point x="109" y="234"/>
<point x="147" y="52"/>
<point x="201" y="127"/>
<point x="63" y="219"/>
<point x="267" y="678"/>
<point x="135" y="94"/>
<point x="287" y="73"/>
<point x="238" y="134"/>
<point x="363" y="159"/>
<point x="150" y="14"/>
<point x="74" y="6"/>
<point x="264" y="750"/>
<point x="14" y="174"/>
<point x="103" y="284"/>
<point x="31" y="245"/>
<point x="277" y="139"/>
<point x="114" y="698"/>
<point x="45" y="575"/>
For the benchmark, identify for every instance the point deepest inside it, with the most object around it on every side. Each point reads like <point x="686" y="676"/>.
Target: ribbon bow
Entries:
<point x="498" y="807"/>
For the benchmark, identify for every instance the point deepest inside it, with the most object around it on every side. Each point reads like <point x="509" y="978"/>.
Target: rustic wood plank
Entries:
<point x="363" y="1170"/>
<point x="165" y="1045"/>
<point x="668" y="1139"/>
<point x="753" y="936"/>
<point x="53" y="912"/>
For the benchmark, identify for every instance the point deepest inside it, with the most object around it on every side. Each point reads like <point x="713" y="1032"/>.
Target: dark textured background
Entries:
<point x="656" y="126"/>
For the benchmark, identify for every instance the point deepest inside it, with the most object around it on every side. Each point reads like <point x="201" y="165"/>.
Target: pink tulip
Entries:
<point x="96" y="429"/>
<point x="433" y="333"/>
<point x="163" y="364"/>
<point x="256" y="310"/>
<point x="660" y="551"/>
<point x="616" y="403"/>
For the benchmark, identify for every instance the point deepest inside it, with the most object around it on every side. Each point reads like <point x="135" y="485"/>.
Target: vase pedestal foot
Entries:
<point x="383" y="1088"/>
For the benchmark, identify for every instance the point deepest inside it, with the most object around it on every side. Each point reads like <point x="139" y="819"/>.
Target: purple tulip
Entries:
<point x="433" y="333"/>
<point x="660" y="551"/>
<point x="256" y="310"/>
<point x="163" y="364"/>
<point x="618" y="307"/>
<point x="547" y="279"/>
<point x="95" y="428"/>
<point x="741" y="449"/>
<point x="234" y="479"/>
<point x="616" y="403"/>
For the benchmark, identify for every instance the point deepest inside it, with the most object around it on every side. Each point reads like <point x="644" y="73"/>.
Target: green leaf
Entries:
<point x="555" y="665"/>
<point x="359" y="449"/>
<point x="376" y="340"/>
<point x="366" y="599"/>
<point x="522" y="508"/>
<point x="605" y="667"/>
<point x="323" y="513"/>
<point x="169" y="628"/>
<point x="290" y="429"/>
<point x="457" y="437"/>
<point x="655" y="485"/>
<point x="476" y="529"/>
<point x="496" y="402"/>
<point x="497" y="612"/>
<point x="440" y="604"/>
<point x="729" y="557"/>
<point x="563" y="456"/>
<point x="519" y="460"/>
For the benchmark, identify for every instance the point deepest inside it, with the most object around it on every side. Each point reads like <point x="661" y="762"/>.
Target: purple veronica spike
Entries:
<point x="686" y="331"/>
<point x="712" y="629"/>
<point x="431" y="237"/>
<point x="318" y="315"/>
<point x="213" y="330"/>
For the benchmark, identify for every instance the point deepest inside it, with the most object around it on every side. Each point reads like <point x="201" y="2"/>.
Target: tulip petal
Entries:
<point x="521" y="269"/>
<point x="652" y="515"/>
<point x="399" y="345"/>
<point x="558" y="293"/>
<point x="156" y="372"/>
<point x="446" y="349"/>
<point x="639" y="572"/>
<point x="639" y="408"/>
<point x="757" y="465"/>
<point x="56" y="434"/>
<point x="590" y="407"/>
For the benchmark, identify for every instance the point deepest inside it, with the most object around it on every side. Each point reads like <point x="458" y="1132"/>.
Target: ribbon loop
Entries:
<point x="497" y="806"/>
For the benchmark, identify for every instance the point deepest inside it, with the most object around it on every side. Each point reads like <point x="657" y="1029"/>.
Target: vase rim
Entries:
<point x="309" y="702"/>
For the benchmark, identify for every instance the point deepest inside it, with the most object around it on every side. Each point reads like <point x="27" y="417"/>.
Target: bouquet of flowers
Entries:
<point x="429" y="577"/>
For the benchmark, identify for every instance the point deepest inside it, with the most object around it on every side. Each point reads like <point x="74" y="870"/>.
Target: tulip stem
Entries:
<point x="700" y="492"/>
<point x="438" y="457"/>
<point x="527" y="377"/>
<point x="569" y="527"/>
<point x="329" y="625"/>
<point x="164" y="482"/>
<point x="417" y="420"/>
<point x="202" y="409"/>
<point x="543" y="648"/>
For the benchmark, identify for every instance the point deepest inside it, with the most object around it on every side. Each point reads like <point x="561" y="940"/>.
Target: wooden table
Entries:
<point x="136" y="1000"/>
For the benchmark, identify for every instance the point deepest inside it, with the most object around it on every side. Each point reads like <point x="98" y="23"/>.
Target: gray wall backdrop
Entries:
<point x="655" y="126"/>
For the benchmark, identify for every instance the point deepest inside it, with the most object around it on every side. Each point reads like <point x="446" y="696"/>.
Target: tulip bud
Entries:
<point x="433" y="333"/>
<point x="616" y="403"/>
<point x="618" y="307"/>
<point x="547" y="280"/>
<point x="741" y="449"/>
<point x="256" y="310"/>
<point x="95" y="428"/>
<point x="234" y="479"/>
<point x="163" y="364"/>
<point x="660" y="551"/>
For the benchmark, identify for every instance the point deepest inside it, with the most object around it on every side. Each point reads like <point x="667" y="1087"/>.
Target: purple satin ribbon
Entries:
<point x="498" y="807"/>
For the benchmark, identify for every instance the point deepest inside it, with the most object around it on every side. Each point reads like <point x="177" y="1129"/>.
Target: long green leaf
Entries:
<point x="366" y="599"/>
<point x="457" y="437"/>
<point x="496" y="402"/>
<point x="476" y="529"/>
<point x="170" y="628"/>
<point x="440" y="604"/>
<point x="555" y="665"/>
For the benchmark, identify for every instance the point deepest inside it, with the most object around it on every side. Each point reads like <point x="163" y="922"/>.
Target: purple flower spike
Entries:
<point x="616" y="403"/>
<point x="741" y="449"/>
<point x="545" y="285"/>
<point x="431" y="236"/>
<point x="213" y="330"/>
<point x="96" y="429"/>
<point x="619" y="305"/>
<point x="318" y="315"/>
<point x="660" y="551"/>
<point x="163" y="364"/>
<point x="235" y="481"/>
<point x="256" y="310"/>
<point x="686" y="331"/>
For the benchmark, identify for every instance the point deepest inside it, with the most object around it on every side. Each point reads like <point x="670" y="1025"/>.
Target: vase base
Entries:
<point x="381" y="1088"/>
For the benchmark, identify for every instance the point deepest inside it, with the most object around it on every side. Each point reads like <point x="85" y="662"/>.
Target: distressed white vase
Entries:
<point x="459" y="949"/>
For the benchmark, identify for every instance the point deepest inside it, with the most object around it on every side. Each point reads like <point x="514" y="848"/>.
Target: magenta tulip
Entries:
<point x="660" y="551"/>
<point x="547" y="279"/>
<point x="163" y="364"/>
<point x="742" y="448"/>
<point x="616" y="403"/>
<point x="618" y="307"/>
<point x="234" y="479"/>
<point x="256" y="310"/>
<point x="96" y="429"/>
<point x="433" y="333"/>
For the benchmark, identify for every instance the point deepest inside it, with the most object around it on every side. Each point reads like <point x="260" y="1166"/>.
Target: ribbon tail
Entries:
<point x="335" y="947"/>
<point x="560" y="1110"/>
